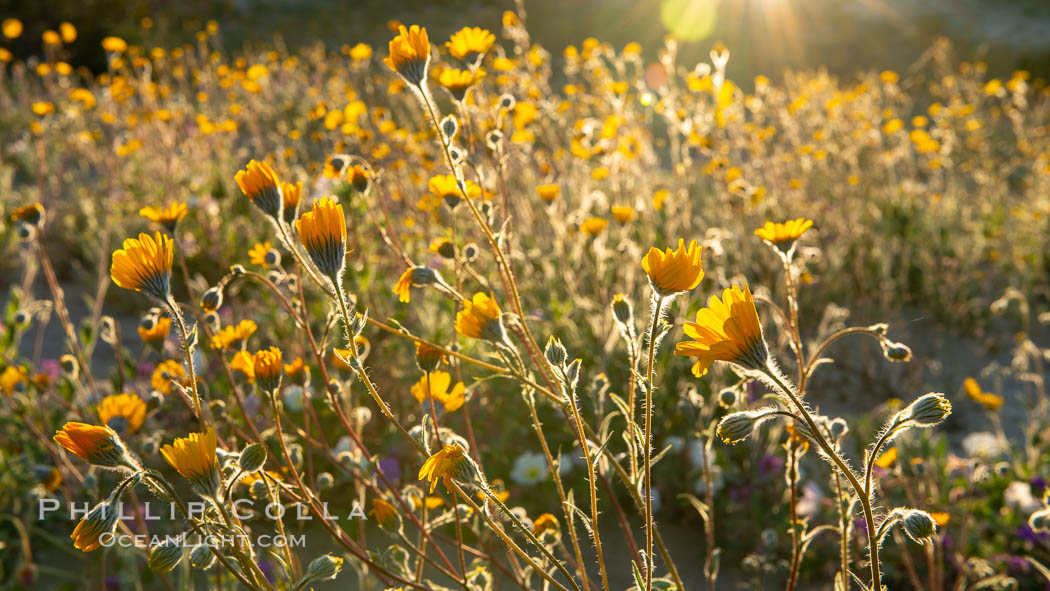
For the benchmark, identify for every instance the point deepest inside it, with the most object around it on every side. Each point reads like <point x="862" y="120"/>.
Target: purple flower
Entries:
<point x="1038" y="484"/>
<point x="739" y="494"/>
<point x="50" y="367"/>
<point x="860" y="526"/>
<point x="1028" y="535"/>
<point x="1017" y="564"/>
<point x="391" y="468"/>
<point x="769" y="464"/>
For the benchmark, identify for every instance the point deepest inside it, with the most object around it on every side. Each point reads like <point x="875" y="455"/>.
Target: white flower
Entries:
<point x="982" y="444"/>
<point x="1019" y="494"/>
<point x="809" y="504"/>
<point x="529" y="468"/>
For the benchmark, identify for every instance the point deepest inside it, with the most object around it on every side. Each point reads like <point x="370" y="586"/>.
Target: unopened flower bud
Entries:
<point x="323" y="568"/>
<point x="928" y="410"/>
<point x="325" y="481"/>
<point x="736" y="427"/>
<point x="507" y="102"/>
<point x="212" y="299"/>
<point x="258" y="490"/>
<point x="895" y="352"/>
<point x="69" y="366"/>
<point x="918" y="525"/>
<point x="1040" y="520"/>
<point x="252" y="458"/>
<point x="470" y="251"/>
<point x="555" y="352"/>
<point x="165" y="556"/>
<point x="727" y="398"/>
<point x="21" y="318"/>
<point x="622" y="311"/>
<point x="202" y="557"/>
<point x="449" y="127"/>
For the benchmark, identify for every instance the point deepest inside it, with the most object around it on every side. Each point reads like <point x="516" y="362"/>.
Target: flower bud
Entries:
<point x="325" y="481"/>
<point x="101" y="520"/>
<point x="895" y="352"/>
<point x="449" y="128"/>
<point x="555" y="352"/>
<point x="428" y="357"/>
<point x="470" y="251"/>
<point x="727" y="398"/>
<point x="21" y="318"/>
<point x="212" y="299"/>
<point x="295" y="453"/>
<point x="928" y="410"/>
<point x="165" y="556"/>
<point x="202" y="557"/>
<point x="323" y="568"/>
<point x="918" y="525"/>
<point x="272" y="258"/>
<point x="736" y="427"/>
<point x="252" y="458"/>
<point x="507" y="102"/>
<point x="258" y="490"/>
<point x="69" y="366"/>
<point x="1040" y="520"/>
<point x="621" y="307"/>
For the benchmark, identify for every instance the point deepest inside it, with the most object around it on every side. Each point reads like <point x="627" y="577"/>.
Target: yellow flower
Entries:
<point x="257" y="254"/>
<point x="384" y="513"/>
<point x="98" y="446"/>
<point x="470" y="43"/>
<point x="10" y="378"/>
<point x="887" y="458"/>
<point x="155" y="332"/>
<point x="360" y="52"/>
<point x="193" y="457"/>
<point x="144" y="264"/>
<point x="32" y="214"/>
<point x="232" y="335"/>
<point x="447" y="463"/>
<point x="782" y="233"/>
<point x="726" y="330"/>
<point x="268" y="368"/>
<point x="674" y="271"/>
<point x="593" y="226"/>
<point x="548" y="192"/>
<point x="430" y="502"/>
<point x="429" y="357"/>
<point x="623" y="213"/>
<point x="168" y="216"/>
<point x="291" y="195"/>
<point x="295" y="367"/>
<point x="49" y="477"/>
<point x="244" y="362"/>
<point x="165" y="372"/>
<point x="444" y="186"/>
<point x="335" y="164"/>
<point x="545" y="523"/>
<point x="480" y="319"/>
<point x="409" y="54"/>
<point x="68" y="31"/>
<point x="940" y="518"/>
<point x="123" y="413"/>
<point x="458" y="82"/>
<point x="359" y="177"/>
<point x="437" y="383"/>
<point x="442" y="246"/>
<point x="260" y="184"/>
<point x="12" y="28"/>
<point x="50" y="37"/>
<point x="989" y="401"/>
<point x="41" y="108"/>
<point x="323" y="234"/>
<point x="114" y="44"/>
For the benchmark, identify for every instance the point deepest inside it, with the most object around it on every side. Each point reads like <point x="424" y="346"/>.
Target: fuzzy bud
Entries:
<point x="555" y="352"/>
<point x="736" y="427"/>
<point x="252" y="458"/>
<point x="727" y="398"/>
<point x="212" y="299"/>
<point x="895" y="352"/>
<point x="323" y="568"/>
<point x="201" y="557"/>
<point x="928" y="410"/>
<point x="165" y="556"/>
<point x="919" y="526"/>
<point x="622" y="311"/>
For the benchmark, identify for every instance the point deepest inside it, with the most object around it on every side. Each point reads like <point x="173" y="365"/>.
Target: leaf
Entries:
<point x="697" y="504"/>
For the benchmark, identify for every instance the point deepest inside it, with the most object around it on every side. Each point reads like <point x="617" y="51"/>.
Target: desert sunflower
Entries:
<point x="470" y="43"/>
<point x="291" y="195"/>
<point x="782" y="233"/>
<point x="168" y="216"/>
<point x="267" y="366"/>
<point x="409" y="54"/>
<point x="323" y="234"/>
<point x="447" y="463"/>
<point x="98" y="446"/>
<point x="194" y="458"/>
<point x="123" y="413"/>
<point x="260" y="184"/>
<point x="480" y="319"/>
<point x="674" y="271"/>
<point x="435" y="386"/>
<point x="727" y="330"/>
<point x="144" y="264"/>
<point x="458" y="82"/>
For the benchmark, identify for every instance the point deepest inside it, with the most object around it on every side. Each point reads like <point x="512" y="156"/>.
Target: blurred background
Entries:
<point x="767" y="36"/>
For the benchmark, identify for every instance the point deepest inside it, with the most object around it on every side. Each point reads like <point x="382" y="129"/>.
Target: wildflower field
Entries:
<point x="473" y="313"/>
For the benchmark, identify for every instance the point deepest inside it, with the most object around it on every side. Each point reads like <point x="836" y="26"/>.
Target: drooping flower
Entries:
<point x="384" y="513"/>
<point x="413" y="277"/>
<point x="429" y="357"/>
<point x="194" y="458"/>
<point x="445" y="464"/>
<point x="480" y="319"/>
<point x="168" y="216"/>
<point x="434" y="385"/>
<point x="260" y="184"/>
<point x="784" y="233"/>
<point x="323" y="233"/>
<point x="726" y="330"/>
<point x="98" y="446"/>
<point x="409" y="54"/>
<point x="674" y="271"/>
<point x="102" y="519"/>
<point x="144" y="264"/>
<point x="123" y="413"/>
<point x="470" y="43"/>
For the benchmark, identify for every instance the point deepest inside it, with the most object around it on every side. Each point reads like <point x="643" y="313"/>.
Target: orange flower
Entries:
<point x="144" y="264"/>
